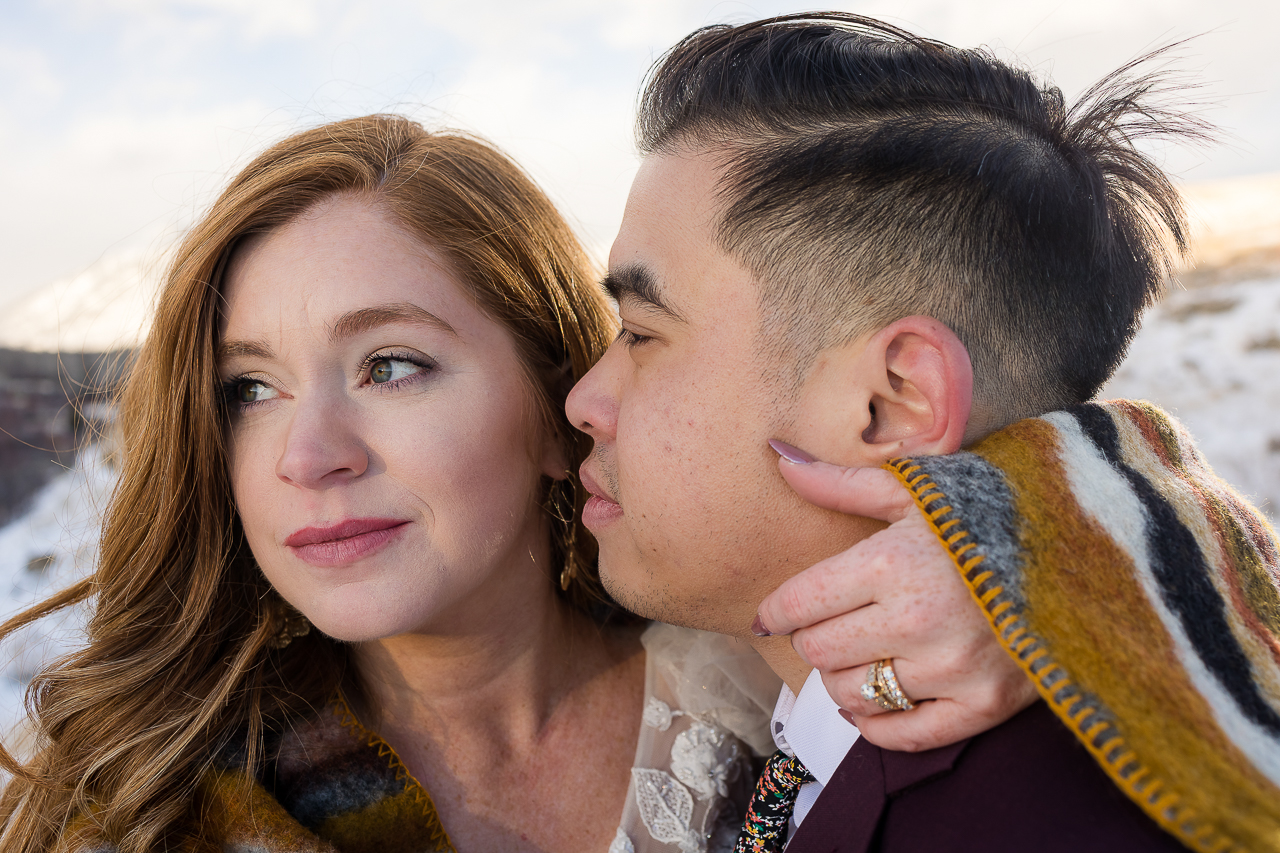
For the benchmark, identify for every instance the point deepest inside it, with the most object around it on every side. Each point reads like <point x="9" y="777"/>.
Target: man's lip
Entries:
<point x="589" y="483"/>
<point x="342" y="530"/>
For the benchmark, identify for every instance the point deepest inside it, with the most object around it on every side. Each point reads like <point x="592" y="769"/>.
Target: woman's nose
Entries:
<point x="322" y="447"/>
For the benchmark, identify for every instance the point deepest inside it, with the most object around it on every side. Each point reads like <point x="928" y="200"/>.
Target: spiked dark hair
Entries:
<point x="870" y="174"/>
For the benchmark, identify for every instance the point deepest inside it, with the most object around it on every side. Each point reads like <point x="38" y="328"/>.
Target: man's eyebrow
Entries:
<point x="638" y="283"/>
<point x="364" y="319"/>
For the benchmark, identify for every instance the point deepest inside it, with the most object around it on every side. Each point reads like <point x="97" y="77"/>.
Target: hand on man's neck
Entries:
<point x="902" y="390"/>
<point x="783" y="660"/>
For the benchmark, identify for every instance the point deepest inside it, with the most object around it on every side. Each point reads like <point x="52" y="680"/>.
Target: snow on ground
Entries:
<point x="46" y="549"/>
<point x="1210" y="355"/>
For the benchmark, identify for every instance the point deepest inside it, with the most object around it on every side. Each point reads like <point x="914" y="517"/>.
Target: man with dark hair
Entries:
<point x="874" y="246"/>
<point x="942" y="181"/>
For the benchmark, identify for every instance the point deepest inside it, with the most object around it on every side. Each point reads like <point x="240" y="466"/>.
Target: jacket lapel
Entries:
<point x="845" y="815"/>
<point x="847" y="812"/>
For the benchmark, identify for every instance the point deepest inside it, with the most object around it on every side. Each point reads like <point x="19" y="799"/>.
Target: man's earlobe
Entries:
<point x="921" y="389"/>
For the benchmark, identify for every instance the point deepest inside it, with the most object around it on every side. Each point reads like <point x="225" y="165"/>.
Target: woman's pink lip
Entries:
<point x="345" y="542"/>
<point x="341" y="530"/>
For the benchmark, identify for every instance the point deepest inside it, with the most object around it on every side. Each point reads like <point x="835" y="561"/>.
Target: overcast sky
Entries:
<point x="121" y="119"/>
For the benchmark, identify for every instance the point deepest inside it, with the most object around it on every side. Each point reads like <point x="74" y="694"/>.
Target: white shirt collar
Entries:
<point x="809" y="726"/>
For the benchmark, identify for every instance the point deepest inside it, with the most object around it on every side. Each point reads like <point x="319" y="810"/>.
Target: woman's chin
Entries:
<point x="350" y="628"/>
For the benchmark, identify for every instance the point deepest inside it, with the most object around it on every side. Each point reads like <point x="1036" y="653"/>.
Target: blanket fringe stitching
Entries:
<point x="421" y="797"/>
<point x="1097" y="734"/>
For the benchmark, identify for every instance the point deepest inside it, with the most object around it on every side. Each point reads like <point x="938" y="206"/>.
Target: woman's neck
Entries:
<point x="522" y="701"/>
<point x="498" y="669"/>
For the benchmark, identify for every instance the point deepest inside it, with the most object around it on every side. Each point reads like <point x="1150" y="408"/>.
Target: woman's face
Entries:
<point x="382" y="451"/>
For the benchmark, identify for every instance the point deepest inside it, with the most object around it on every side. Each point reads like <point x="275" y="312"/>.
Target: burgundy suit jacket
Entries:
<point x="1026" y="786"/>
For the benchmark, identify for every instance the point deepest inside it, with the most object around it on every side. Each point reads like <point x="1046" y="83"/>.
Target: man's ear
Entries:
<point x="906" y="389"/>
<point x="918" y="388"/>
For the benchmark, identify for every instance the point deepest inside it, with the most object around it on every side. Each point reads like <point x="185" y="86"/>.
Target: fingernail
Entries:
<point x="791" y="454"/>
<point x="758" y="628"/>
<point x="848" y="718"/>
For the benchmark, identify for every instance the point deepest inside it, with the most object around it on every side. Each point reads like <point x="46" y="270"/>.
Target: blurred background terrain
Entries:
<point x="120" y="120"/>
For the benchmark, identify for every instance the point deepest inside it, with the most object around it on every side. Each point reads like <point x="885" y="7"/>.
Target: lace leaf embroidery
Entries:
<point x="666" y="807"/>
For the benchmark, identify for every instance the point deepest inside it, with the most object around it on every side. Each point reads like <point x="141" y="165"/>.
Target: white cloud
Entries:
<point x="28" y="74"/>
<point x="110" y="182"/>
<point x="249" y="19"/>
<point x="129" y="114"/>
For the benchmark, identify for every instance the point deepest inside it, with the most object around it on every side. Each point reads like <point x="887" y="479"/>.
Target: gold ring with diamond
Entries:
<point x="882" y="687"/>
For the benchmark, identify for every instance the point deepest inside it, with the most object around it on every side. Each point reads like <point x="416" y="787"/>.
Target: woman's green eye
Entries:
<point x="389" y="369"/>
<point x="253" y="392"/>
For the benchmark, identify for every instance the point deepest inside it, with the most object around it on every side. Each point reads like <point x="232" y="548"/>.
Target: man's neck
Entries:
<point x="783" y="660"/>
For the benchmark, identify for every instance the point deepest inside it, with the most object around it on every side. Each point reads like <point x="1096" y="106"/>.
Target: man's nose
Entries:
<point x="592" y="405"/>
<point x="322" y="447"/>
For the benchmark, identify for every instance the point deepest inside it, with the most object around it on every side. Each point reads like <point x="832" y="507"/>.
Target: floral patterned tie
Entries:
<point x="765" y="830"/>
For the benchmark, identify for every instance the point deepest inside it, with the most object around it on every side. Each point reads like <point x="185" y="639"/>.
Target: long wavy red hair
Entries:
<point x="180" y="660"/>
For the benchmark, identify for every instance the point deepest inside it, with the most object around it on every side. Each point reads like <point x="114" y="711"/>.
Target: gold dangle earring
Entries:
<point x="292" y="624"/>
<point x="560" y="503"/>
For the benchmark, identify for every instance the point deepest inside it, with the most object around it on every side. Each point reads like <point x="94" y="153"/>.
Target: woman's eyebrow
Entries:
<point x="349" y="324"/>
<point x="242" y="349"/>
<point x="364" y="319"/>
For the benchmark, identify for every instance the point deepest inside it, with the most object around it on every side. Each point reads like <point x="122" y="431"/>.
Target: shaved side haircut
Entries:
<point x="870" y="174"/>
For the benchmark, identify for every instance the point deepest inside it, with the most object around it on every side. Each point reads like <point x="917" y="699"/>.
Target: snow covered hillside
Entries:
<point x="46" y="549"/>
<point x="1211" y="357"/>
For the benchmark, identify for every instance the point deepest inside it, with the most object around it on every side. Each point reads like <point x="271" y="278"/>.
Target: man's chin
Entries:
<point x="628" y="596"/>
<point x="637" y="590"/>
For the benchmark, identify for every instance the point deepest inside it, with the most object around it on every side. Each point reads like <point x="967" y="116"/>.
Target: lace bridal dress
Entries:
<point x="708" y="700"/>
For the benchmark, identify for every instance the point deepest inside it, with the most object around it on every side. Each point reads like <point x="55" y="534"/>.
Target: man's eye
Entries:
<point x="630" y="339"/>
<point x="386" y="370"/>
<point x="253" y="391"/>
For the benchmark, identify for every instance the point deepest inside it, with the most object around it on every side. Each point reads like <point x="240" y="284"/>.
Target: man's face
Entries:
<point x="694" y="522"/>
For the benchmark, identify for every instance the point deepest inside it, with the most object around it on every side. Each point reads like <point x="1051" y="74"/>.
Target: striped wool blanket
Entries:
<point x="1140" y="594"/>
<point x="331" y="785"/>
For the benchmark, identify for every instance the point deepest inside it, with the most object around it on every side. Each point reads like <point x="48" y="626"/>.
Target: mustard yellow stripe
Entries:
<point x="413" y="788"/>
<point x="1035" y="656"/>
<point x="1130" y="662"/>
<point x="1199" y="836"/>
<point x="238" y="813"/>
